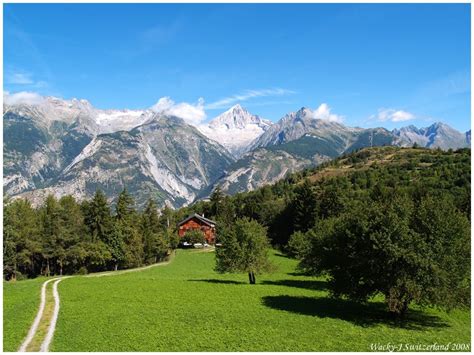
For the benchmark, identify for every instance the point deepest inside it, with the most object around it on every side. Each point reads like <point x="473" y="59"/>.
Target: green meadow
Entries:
<point x="186" y="306"/>
<point x="20" y="303"/>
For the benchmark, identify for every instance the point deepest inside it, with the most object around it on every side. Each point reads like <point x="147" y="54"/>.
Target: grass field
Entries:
<point x="186" y="306"/>
<point x="20" y="303"/>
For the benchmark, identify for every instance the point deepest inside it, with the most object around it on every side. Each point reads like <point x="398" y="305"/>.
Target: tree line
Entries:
<point x="66" y="237"/>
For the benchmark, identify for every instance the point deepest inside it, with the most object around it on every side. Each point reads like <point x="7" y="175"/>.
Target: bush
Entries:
<point x="298" y="245"/>
<point x="194" y="236"/>
<point x="82" y="271"/>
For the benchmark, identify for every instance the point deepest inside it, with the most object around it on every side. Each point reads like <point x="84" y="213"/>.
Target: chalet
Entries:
<point x="195" y="221"/>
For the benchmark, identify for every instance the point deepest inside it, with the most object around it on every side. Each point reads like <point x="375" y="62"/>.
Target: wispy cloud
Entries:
<point x="453" y="84"/>
<point x="159" y="34"/>
<point x="19" y="79"/>
<point x="24" y="79"/>
<point x="26" y="47"/>
<point x="192" y="113"/>
<point x="148" y="40"/>
<point x="392" y="115"/>
<point x="247" y="95"/>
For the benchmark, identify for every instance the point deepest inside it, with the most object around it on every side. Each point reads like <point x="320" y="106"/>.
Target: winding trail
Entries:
<point x="54" y="318"/>
<point x="36" y="322"/>
<point x="43" y="319"/>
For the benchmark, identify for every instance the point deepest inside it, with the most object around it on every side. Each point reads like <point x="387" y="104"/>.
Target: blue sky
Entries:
<point x="370" y="65"/>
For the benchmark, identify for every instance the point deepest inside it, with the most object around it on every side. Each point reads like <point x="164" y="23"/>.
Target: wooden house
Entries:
<point x="196" y="221"/>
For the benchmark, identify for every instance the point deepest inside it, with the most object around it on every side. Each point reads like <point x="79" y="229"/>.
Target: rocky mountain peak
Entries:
<point x="236" y="117"/>
<point x="235" y="129"/>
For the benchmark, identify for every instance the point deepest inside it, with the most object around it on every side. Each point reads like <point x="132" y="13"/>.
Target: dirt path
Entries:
<point x="34" y="327"/>
<point x="54" y="318"/>
<point x="120" y="272"/>
<point x="41" y="333"/>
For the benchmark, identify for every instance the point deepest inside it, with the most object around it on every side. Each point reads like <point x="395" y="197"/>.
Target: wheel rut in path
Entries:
<point x="41" y="332"/>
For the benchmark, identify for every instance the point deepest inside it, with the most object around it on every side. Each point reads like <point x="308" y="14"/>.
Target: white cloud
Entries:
<point x="393" y="115"/>
<point x="247" y="95"/>
<point x="22" y="97"/>
<point x="323" y="112"/>
<point x="192" y="113"/>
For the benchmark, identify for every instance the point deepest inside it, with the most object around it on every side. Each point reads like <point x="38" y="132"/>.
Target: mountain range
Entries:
<point x="64" y="147"/>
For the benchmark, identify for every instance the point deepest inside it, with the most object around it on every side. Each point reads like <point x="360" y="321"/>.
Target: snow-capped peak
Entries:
<point x="235" y="129"/>
<point x="237" y="117"/>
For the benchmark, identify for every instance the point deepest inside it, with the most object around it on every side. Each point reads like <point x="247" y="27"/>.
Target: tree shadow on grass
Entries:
<point x="316" y="285"/>
<point x="281" y="255"/>
<point x="217" y="281"/>
<point x="364" y="315"/>
<point x="299" y="273"/>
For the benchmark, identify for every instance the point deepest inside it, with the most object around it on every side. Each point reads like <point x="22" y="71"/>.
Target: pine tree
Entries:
<point x="127" y="233"/>
<point x="305" y="207"/>
<point x="155" y="242"/>
<point x="216" y="201"/>
<point x="74" y="231"/>
<point x="52" y="233"/>
<point x="101" y="228"/>
<point x="98" y="218"/>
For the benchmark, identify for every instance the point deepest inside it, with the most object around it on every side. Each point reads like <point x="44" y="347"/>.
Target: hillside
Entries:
<point x="356" y="177"/>
<point x="412" y="161"/>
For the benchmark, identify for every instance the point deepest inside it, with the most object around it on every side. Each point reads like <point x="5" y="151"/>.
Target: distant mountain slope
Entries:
<point x="69" y="147"/>
<point x="267" y="165"/>
<point x="235" y="129"/>
<point x="438" y="135"/>
<point x="165" y="159"/>
<point x="35" y="151"/>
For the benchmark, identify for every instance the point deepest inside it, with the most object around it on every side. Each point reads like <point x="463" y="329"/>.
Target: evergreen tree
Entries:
<point x="52" y="235"/>
<point x="216" y="201"/>
<point x="155" y="239"/>
<point x="21" y="244"/>
<point x="98" y="218"/>
<point x="305" y="207"/>
<point x="126" y="243"/>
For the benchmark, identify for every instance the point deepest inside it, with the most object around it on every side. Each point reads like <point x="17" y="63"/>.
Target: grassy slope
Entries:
<point x="185" y="306"/>
<point x="20" y="303"/>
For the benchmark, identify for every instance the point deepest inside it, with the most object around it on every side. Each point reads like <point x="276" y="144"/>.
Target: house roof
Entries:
<point x="207" y="221"/>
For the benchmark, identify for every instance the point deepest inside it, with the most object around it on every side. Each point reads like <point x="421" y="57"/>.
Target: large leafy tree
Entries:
<point x="244" y="248"/>
<point x="409" y="255"/>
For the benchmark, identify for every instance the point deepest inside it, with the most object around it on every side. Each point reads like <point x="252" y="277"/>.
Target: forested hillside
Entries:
<point x="64" y="236"/>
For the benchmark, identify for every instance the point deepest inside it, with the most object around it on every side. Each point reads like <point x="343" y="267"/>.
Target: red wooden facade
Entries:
<point x="195" y="221"/>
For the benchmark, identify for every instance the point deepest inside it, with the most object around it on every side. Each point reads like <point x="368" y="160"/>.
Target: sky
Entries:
<point x="388" y="65"/>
